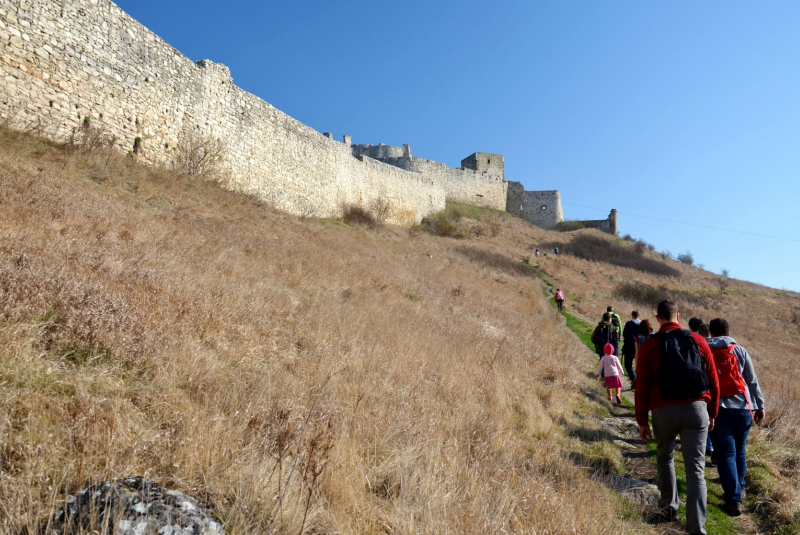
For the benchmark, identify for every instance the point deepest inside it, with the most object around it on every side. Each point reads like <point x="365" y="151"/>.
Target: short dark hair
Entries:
<point x="704" y="331"/>
<point x="609" y="309"/>
<point x="667" y="310"/>
<point x="635" y="313"/>
<point x="694" y="324"/>
<point x="719" y="327"/>
<point x="645" y="327"/>
<point x="606" y="317"/>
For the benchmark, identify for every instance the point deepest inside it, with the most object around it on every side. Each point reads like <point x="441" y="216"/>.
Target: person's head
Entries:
<point x="558" y="289"/>
<point x="606" y="317"/>
<point x="645" y="327"/>
<point x="608" y="349"/>
<point x="694" y="324"/>
<point x="704" y="331"/>
<point x="635" y="314"/>
<point x="609" y="309"/>
<point x="719" y="327"/>
<point x="667" y="311"/>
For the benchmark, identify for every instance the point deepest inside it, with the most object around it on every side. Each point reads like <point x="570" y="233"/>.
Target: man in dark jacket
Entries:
<point x="630" y="333"/>
<point x="690" y="418"/>
<point x="617" y="322"/>
<point x="604" y="333"/>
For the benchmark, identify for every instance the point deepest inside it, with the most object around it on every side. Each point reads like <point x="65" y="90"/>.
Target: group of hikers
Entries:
<point x="699" y="385"/>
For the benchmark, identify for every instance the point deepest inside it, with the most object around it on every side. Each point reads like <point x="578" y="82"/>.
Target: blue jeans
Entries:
<point x="730" y="438"/>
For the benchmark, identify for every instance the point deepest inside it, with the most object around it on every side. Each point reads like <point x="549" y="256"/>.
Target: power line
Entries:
<point x="688" y="224"/>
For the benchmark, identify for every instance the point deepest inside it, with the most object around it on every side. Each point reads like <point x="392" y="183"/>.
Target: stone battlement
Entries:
<point x="70" y="63"/>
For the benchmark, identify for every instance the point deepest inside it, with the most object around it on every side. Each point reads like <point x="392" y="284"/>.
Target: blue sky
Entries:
<point x="682" y="110"/>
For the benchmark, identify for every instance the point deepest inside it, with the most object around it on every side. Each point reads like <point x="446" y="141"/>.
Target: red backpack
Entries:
<point x="730" y="380"/>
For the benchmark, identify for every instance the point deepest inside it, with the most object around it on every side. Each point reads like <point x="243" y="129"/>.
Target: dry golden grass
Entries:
<point x="296" y="376"/>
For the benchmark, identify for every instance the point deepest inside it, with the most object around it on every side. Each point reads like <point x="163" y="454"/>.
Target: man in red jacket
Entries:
<point x="689" y="415"/>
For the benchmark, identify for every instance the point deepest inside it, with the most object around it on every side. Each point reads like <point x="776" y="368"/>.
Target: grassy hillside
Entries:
<point x="296" y="376"/>
<point x="310" y="376"/>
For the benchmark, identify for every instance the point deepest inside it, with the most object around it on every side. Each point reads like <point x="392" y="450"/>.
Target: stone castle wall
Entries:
<point x="542" y="208"/>
<point x="484" y="186"/>
<point x="606" y="225"/>
<point x="63" y="61"/>
<point x="68" y="63"/>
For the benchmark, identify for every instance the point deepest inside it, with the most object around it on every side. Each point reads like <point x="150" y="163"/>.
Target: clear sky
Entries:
<point x="680" y="110"/>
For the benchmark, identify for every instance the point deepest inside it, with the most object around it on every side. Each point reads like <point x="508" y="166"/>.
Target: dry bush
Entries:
<point x="497" y="261"/>
<point x="599" y="249"/>
<point x="160" y="326"/>
<point x="381" y="209"/>
<point x="200" y="157"/>
<point x="686" y="258"/>
<point x="354" y="214"/>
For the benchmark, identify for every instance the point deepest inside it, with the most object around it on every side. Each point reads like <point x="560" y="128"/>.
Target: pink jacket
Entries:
<point x="609" y="366"/>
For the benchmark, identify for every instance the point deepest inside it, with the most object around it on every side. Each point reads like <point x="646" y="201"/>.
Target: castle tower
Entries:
<point x="483" y="162"/>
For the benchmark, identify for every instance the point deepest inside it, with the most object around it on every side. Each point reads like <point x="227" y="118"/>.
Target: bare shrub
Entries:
<point x="497" y="261"/>
<point x="92" y="139"/>
<point x="644" y="294"/>
<point x="686" y="258"/>
<point x="723" y="283"/>
<point x="200" y="157"/>
<point x="353" y="214"/>
<point x="599" y="249"/>
<point x="381" y="209"/>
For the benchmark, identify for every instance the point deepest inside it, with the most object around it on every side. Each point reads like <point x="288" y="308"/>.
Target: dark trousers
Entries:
<point x="729" y="436"/>
<point x="560" y="305"/>
<point x="690" y="422"/>
<point x="628" y="354"/>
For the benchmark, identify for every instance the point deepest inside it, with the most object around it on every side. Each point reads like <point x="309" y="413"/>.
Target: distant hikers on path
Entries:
<point x="699" y="385"/>
<point x="560" y="299"/>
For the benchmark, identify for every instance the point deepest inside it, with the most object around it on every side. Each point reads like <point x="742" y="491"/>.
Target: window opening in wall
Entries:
<point x="488" y="161"/>
<point x="544" y="207"/>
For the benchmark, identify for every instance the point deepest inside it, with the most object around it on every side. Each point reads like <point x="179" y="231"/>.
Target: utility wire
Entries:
<point x="688" y="224"/>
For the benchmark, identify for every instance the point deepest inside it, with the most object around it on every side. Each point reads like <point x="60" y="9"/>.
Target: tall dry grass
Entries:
<point x="296" y="376"/>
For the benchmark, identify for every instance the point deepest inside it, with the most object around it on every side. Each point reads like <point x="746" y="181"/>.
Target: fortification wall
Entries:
<point x="67" y="60"/>
<point x="609" y="225"/>
<point x="542" y="208"/>
<point x="480" y="188"/>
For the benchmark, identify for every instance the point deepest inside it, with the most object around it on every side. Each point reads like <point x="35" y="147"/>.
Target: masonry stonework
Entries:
<point x="542" y="208"/>
<point x="65" y="64"/>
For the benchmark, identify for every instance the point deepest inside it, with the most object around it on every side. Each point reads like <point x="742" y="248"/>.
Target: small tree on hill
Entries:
<point x="686" y="258"/>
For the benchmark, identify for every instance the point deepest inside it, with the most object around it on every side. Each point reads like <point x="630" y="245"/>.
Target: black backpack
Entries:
<point x="682" y="368"/>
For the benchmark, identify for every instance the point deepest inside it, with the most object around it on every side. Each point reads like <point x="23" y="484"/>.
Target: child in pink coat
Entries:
<point x="611" y="368"/>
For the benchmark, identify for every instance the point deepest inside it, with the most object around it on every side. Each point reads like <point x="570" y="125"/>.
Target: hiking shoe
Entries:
<point x="733" y="509"/>
<point x="619" y="400"/>
<point x="668" y="515"/>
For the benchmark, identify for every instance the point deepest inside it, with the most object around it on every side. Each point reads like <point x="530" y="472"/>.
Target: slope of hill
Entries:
<point x="309" y="376"/>
<point x="293" y="375"/>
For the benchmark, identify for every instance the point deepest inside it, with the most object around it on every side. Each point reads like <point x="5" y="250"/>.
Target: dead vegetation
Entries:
<point x="274" y="367"/>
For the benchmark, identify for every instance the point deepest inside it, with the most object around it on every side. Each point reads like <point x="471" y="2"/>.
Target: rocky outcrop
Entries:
<point x="131" y="506"/>
<point x="634" y="490"/>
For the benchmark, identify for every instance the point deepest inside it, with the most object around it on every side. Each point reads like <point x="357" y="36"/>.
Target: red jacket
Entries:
<point x="648" y="395"/>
